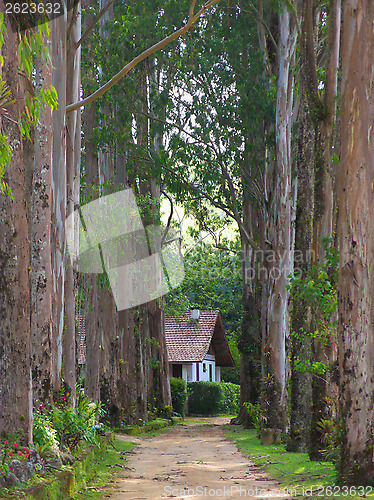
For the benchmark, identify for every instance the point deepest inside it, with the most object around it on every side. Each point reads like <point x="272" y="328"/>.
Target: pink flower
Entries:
<point x="6" y="442"/>
<point x="10" y="454"/>
<point x="20" y="453"/>
<point x="15" y="445"/>
<point x="63" y="399"/>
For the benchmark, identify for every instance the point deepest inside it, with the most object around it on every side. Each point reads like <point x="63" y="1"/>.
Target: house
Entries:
<point x="197" y="346"/>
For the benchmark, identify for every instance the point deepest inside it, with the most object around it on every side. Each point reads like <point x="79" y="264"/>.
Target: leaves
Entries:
<point x="318" y="289"/>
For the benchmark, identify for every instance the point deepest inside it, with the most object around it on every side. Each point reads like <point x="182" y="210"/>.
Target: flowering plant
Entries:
<point x="10" y="451"/>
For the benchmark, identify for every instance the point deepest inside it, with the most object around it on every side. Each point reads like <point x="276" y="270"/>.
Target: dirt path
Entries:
<point x="194" y="461"/>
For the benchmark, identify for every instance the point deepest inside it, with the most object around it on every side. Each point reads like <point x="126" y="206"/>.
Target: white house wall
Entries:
<point x="189" y="371"/>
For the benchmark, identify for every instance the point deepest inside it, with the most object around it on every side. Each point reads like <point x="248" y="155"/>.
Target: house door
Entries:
<point x="177" y="371"/>
<point x="210" y="372"/>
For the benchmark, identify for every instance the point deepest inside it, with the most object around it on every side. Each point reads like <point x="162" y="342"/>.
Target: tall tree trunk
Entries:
<point x="300" y="382"/>
<point x="355" y="229"/>
<point x="59" y="194"/>
<point x="323" y="114"/>
<point x="73" y="155"/>
<point x="275" y="386"/>
<point x="15" y="326"/>
<point x="41" y="257"/>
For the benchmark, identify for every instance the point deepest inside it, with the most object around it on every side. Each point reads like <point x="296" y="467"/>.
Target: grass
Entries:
<point x="149" y="427"/>
<point x="89" y="478"/>
<point x="104" y="468"/>
<point x="294" y="471"/>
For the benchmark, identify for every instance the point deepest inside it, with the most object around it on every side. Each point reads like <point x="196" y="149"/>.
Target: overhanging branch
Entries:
<point x="159" y="45"/>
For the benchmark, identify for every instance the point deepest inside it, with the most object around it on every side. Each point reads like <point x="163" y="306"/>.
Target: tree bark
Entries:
<point x="355" y="229"/>
<point x="73" y="157"/>
<point x="15" y="326"/>
<point x="41" y="257"/>
<point x="323" y="114"/>
<point x="300" y="383"/>
<point x="59" y="194"/>
<point x="275" y="387"/>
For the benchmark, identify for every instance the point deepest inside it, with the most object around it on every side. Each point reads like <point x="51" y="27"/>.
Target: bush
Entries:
<point x="43" y="432"/>
<point x="253" y="411"/>
<point x="230" y="399"/>
<point x="73" y="425"/>
<point x="178" y="394"/>
<point x="212" y="398"/>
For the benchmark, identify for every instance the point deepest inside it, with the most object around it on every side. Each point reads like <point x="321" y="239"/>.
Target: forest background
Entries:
<point x="254" y="113"/>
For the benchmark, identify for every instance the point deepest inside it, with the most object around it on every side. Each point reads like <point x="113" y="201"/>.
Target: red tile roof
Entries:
<point x="189" y="340"/>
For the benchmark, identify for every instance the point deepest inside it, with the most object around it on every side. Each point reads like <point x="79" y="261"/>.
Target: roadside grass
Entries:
<point x="105" y="467"/>
<point x="294" y="471"/>
<point x="91" y="477"/>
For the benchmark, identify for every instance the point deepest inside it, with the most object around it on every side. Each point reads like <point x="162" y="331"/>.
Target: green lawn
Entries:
<point x="294" y="470"/>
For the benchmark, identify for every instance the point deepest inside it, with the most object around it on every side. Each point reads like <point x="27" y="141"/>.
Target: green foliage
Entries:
<point x="212" y="398"/>
<point x="203" y="398"/>
<point x="253" y="411"/>
<point x="212" y="282"/>
<point x="31" y="45"/>
<point x="331" y="428"/>
<point x="318" y="289"/>
<point x="9" y="451"/>
<point x="230" y="398"/>
<point x="178" y="394"/>
<point x="73" y="425"/>
<point x="44" y="435"/>
<point x="63" y="426"/>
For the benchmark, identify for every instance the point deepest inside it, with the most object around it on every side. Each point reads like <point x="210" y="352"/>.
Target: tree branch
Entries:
<point x="159" y="45"/>
<point x="169" y="218"/>
<point x="224" y="209"/>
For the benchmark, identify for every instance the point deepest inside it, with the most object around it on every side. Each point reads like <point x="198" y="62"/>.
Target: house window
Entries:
<point x="177" y="371"/>
<point x="210" y="373"/>
<point x="204" y="367"/>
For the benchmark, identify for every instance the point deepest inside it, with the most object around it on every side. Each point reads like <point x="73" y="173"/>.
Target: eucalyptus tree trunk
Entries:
<point x="159" y="385"/>
<point x="91" y="303"/>
<point x="59" y="194"/>
<point x="323" y="113"/>
<point x="300" y="382"/>
<point x="355" y="230"/>
<point x="15" y="327"/>
<point x="41" y="257"/>
<point x="73" y="157"/>
<point x="275" y="383"/>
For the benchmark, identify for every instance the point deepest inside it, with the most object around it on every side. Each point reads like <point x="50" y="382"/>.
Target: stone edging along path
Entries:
<point x="193" y="461"/>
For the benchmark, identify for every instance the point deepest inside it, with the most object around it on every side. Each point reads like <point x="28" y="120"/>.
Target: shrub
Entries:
<point x="11" y="451"/>
<point x="253" y="411"/>
<point x="230" y="398"/>
<point x="73" y="425"/>
<point x="43" y="432"/>
<point x="212" y="398"/>
<point x="178" y="394"/>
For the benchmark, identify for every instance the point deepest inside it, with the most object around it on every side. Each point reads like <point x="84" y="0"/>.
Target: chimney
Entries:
<point x="195" y="314"/>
